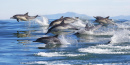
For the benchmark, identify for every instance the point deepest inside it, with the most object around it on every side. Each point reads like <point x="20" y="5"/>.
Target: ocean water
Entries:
<point x="17" y="46"/>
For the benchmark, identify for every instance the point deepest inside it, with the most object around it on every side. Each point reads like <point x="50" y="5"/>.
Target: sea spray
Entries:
<point x="117" y="45"/>
<point x="43" y="22"/>
<point x="124" y="24"/>
<point x="79" y="23"/>
<point x="121" y="36"/>
<point x="64" y="39"/>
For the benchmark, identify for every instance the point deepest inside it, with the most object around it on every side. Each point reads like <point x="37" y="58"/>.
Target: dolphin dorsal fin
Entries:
<point x="61" y="17"/>
<point x="107" y="17"/>
<point x="62" y="22"/>
<point x="36" y="16"/>
<point x="26" y="14"/>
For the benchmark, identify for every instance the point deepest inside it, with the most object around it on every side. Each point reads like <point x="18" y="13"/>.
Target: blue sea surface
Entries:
<point x="17" y="46"/>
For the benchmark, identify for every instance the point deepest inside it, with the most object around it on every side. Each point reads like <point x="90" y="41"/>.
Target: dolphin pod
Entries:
<point x="23" y="17"/>
<point x="64" y="23"/>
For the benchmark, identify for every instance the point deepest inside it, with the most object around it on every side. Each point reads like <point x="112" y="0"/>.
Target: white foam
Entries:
<point x="121" y="36"/>
<point x="114" y="47"/>
<point x="46" y="63"/>
<point x="83" y="31"/>
<point x="124" y="24"/>
<point x="63" y="40"/>
<point x="78" y="24"/>
<point x="106" y="49"/>
<point x="72" y="62"/>
<point x="67" y="40"/>
<point x="53" y="54"/>
<point x="43" y="22"/>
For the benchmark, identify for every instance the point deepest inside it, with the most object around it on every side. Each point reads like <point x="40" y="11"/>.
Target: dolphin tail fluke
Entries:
<point x="107" y="17"/>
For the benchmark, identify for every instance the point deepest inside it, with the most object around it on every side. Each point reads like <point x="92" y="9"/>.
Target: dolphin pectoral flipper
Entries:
<point x="18" y="20"/>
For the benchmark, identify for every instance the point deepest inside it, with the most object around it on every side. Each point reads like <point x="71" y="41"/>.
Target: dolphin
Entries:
<point x="49" y="40"/>
<point x="66" y="20"/>
<point x="93" y="28"/>
<point x="61" y="26"/>
<point x="23" y="17"/>
<point x="105" y="21"/>
<point x="89" y="29"/>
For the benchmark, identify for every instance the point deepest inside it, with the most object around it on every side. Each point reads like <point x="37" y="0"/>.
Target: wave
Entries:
<point x="54" y="54"/>
<point x="106" y="49"/>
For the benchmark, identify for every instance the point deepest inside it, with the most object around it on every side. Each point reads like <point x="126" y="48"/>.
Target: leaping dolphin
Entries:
<point x="105" y="21"/>
<point x="66" y="20"/>
<point x="23" y="17"/>
<point x="89" y="29"/>
<point x="61" y="26"/>
<point x="49" y="40"/>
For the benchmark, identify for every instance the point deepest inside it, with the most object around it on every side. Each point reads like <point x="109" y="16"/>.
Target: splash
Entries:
<point x="67" y="40"/>
<point x="121" y="36"/>
<point x="83" y="31"/>
<point x="79" y="24"/>
<point x="124" y="24"/>
<point x="43" y="22"/>
<point x="117" y="45"/>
